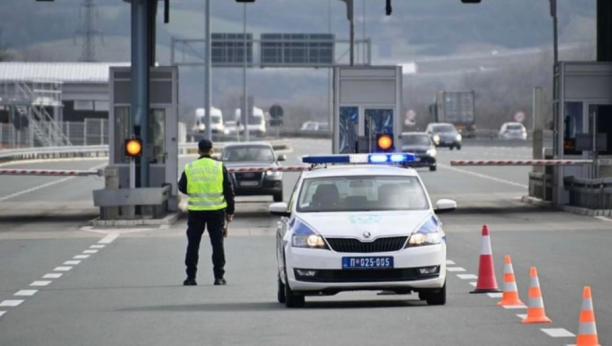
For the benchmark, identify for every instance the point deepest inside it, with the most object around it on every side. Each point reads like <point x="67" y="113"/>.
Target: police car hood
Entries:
<point x="359" y="225"/>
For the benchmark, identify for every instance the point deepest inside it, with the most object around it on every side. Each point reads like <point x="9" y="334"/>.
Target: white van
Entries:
<point x="216" y="121"/>
<point x="257" y="124"/>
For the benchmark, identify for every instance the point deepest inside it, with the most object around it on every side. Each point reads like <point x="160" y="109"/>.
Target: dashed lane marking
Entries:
<point x="53" y="276"/>
<point x="62" y="269"/>
<point x="97" y="246"/>
<point x="81" y="256"/>
<point x="483" y="176"/>
<point x="10" y="303"/>
<point x="71" y="263"/>
<point x="26" y="293"/>
<point x="2" y="313"/>
<point x="40" y="283"/>
<point x="449" y="262"/>
<point x="474" y="283"/>
<point x="467" y="276"/>
<point x="558" y="332"/>
<point x="90" y="251"/>
<point x="109" y="238"/>
<point x="511" y="307"/>
<point x="521" y="316"/>
<point x="455" y="269"/>
<point x="495" y="295"/>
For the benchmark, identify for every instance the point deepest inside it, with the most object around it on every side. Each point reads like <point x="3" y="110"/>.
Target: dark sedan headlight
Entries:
<point x="270" y="175"/>
<point x="432" y="152"/>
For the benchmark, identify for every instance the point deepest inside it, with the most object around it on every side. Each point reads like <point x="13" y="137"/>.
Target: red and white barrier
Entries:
<point x="521" y="162"/>
<point x="48" y="172"/>
<point x="269" y="169"/>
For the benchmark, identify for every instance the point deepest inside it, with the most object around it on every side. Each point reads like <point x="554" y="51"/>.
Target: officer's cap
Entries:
<point x="205" y="145"/>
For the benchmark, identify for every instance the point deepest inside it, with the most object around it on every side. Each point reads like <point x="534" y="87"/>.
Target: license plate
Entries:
<point x="249" y="183"/>
<point x="367" y="262"/>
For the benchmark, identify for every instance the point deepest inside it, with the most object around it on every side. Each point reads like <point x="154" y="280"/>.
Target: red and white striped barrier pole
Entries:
<point x="49" y="172"/>
<point x="521" y="162"/>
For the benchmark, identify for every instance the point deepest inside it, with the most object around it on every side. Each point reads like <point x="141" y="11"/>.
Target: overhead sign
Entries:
<point x="228" y="49"/>
<point x="284" y="50"/>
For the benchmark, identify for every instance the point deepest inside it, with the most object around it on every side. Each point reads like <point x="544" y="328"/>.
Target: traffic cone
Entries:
<point x="536" y="312"/>
<point x="587" y="331"/>
<point x="511" y="295"/>
<point x="486" y="268"/>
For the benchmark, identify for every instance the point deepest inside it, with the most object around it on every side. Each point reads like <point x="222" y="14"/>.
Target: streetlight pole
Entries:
<point x="553" y="14"/>
<point x="350" y="15"/>
<point x="245" y="111"/>
<point x="207" y="71"/>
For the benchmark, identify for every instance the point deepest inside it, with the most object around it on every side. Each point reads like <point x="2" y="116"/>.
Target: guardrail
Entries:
<point x="590" y="193"/>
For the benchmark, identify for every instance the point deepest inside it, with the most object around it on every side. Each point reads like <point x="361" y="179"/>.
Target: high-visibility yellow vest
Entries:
<point x="205" y="185"/>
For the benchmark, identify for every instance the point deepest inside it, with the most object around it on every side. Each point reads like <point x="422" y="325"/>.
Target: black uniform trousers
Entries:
<point x="197" y="222"/>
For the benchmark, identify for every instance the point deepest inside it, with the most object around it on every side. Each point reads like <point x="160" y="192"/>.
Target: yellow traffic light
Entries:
<point x="133" y="147"/>
<point x="384" y="142"/>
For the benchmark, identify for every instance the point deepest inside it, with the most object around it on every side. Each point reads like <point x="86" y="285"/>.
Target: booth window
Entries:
<point x="603" y="123"/>
<point x="348" y="126"/>
<point x="572" y="125"/>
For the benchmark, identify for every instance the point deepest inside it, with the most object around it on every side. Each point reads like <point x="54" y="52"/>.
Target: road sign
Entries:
<point x="519" y="117"/>
<point x="228" y="49"/>
<point x="285" y="50"/>
<point x="276" y="112"/>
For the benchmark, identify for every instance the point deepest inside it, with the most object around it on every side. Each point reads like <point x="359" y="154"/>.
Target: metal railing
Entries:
<point x="89" y="132"/>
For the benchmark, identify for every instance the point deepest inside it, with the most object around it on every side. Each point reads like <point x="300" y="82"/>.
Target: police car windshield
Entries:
<point x="444" y="128"/>
<point x="362" y="193"/>
<point x="248" y="154"/>
<point x="415" y="140"/>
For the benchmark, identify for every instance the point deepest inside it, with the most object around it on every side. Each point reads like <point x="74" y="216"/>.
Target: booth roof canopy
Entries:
<point x="67" y="72"/>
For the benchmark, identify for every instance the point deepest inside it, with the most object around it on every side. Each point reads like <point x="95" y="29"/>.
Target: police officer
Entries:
<point x="211" y="204"/>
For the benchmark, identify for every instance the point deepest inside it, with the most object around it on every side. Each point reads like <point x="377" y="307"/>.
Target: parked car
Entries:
<point x="445" y="135"/>
<point x="314" y="126"/>
<point x="421" y="144"/>
<point x="512" y="131"/>
<point x="254" y="183"/>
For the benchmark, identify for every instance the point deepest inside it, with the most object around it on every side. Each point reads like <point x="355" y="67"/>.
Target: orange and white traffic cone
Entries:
<point x="511" y="295"/>
<point x="587" y="331"/>
<point x="536" y="312"/>
<point x="486" y="268"/>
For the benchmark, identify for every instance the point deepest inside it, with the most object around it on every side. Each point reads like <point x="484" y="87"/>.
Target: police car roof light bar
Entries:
<point x="358" y="159"/>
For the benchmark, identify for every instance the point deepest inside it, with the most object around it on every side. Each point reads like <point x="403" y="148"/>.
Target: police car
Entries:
<point x="360" y="222"/>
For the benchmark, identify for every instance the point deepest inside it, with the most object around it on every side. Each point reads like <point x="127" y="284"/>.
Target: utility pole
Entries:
<point x="350" y="15"/>
<point x="88" y="31"/>
<point x="553" y="14"/>
<point x="245" y="106"/>
<point x="207" y="72"/>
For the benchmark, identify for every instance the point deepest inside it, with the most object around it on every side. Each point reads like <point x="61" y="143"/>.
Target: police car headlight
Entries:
<point x="430" y="233"/>
<point x="312" y="241"/>
<point x="274" y="175"/>
<point x="432" y="152"/>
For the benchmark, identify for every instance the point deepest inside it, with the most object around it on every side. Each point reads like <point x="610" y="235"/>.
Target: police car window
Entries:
<point x="246" y="153"/>
<point x="364" y="193"/>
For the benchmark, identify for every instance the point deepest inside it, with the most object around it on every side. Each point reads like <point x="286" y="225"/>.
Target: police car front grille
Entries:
<point x="357" y="246"/>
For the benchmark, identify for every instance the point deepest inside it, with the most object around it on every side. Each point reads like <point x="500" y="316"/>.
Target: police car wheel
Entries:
<point x="281" y="291"/>
<point x="434" y="298"/>
<point x="293" y="300"/>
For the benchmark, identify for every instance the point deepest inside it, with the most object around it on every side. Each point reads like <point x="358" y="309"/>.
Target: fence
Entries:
<point x="88" y="132"/>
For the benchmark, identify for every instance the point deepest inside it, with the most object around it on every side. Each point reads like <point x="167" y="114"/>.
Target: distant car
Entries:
<point x="421" y="144"/>
<point x="254" y="183"/>
<point x="231" y="127"/>
<point x="445" y="135"/>
<point x="512" y="131"/>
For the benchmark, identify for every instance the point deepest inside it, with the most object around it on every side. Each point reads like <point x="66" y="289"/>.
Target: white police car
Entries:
<point x="364" y="225"/>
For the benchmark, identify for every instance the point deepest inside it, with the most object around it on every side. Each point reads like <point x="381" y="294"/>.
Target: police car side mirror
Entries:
<point x="279" y="209"/>
<point x="445" y="206"/>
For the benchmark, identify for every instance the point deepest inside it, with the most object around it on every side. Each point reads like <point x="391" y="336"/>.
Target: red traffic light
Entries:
<point x="133" y="147"/>
<point x="384" y="142"/>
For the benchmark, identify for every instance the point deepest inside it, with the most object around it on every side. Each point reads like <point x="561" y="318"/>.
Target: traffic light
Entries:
<point x="133" y="147"/>
<point x="384" y="143"/>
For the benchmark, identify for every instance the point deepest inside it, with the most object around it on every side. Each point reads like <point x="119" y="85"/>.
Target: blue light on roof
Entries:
<point x="379" y="158"/>
<point x="326" y="159"/>
<point x="359" y="159"/>
<point x="399" y="158"/>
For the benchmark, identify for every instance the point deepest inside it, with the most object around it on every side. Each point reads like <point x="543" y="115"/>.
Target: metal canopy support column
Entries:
<point x="207" y="81"/>
<point x="143" y="36"/>
<point x="604" y="30"/>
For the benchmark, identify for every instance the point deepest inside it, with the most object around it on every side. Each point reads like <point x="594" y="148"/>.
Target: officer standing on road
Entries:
<point x="211" y="203"/>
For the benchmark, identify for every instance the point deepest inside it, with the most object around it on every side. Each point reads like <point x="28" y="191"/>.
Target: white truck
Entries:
<point x="256" y="122"/>
<point x="216" y="121"/>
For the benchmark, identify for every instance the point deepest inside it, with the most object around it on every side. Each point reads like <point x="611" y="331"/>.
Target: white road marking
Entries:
<point x="109" y="238"/>
<point x="90" y="251"/>
<point x="53" y="276"/>
<point x="558" y="332"/>
<point x="51" y="183"/>
<point x="603" y="218"/>
<point x="26" y="293"/>
<point x="62" y="269"/>
<point x="495" y="295"/>
<point x="81" y="256"/>
<point x="483" y="176"/>
<point x="40" y="283"/>
<point x="2" y="313"/>
<point x="449" y="262"/>
<point x="11" y="303"/>
<point x="467" y="276"/>
<point x="455" y="269"/>
<point x="97" y="246"/>
<point x="474" y="283"/>
<point x="512" y="307"/>
<point x="71" y="263"/>
<point x="521" y="316"/>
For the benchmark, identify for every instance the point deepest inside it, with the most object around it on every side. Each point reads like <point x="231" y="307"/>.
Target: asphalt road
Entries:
<point x="129" y="291"/>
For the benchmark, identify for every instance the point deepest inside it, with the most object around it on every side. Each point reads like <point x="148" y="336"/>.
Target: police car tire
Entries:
<point x="293" y="300"/>
<point x="281" y="291"/>
<point x="437" y="298"/>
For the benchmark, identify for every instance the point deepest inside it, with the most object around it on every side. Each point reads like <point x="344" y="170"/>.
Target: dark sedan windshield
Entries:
<point x="248" y="154"/>
<point x="444" y="128"/>
<point x="416" y="139"/>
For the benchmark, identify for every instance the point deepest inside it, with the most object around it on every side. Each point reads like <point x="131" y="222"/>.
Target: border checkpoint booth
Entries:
<point x="367" y="102"/>
<point x="583" y="99"/>
<point x="118" y="201"/>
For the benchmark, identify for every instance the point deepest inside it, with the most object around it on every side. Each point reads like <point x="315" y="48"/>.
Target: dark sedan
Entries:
<point x="420" y="144"/>
<point x="445" y="135"/>
<point x="259" y="155"/>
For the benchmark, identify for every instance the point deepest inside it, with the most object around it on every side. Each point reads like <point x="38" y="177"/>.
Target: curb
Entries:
<point x="567" y="208"/>
<point x="168" y="220"/>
